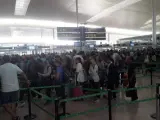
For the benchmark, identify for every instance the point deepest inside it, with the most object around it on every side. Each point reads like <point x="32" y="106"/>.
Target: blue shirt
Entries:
<point x="61" y="73"/>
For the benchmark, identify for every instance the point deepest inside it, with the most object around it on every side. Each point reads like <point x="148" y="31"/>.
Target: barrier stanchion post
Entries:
<point x="151" y="76"/>
<point x="157" y="102"/>
<point x="30" y="116"/>
<point x="158" y="108"/>
<point x="110" y="104"/>
<point x="157" y="114"/>
<point x="64" y="103"/>
<point x="57" y="117"/>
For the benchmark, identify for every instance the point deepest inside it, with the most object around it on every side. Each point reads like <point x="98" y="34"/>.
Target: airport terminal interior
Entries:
<point x="79" y="59"/>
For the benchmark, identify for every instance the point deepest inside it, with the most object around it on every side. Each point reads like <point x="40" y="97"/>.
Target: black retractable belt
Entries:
<point x="30" y="116"/>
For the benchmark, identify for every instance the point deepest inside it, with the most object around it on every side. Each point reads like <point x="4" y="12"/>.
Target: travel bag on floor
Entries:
<point x="128" y="93"/>
<point x="131" y="93"/>
<point x="77" y="91"/>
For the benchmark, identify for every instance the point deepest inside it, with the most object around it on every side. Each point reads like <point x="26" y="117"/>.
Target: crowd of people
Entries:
<point x="90" y="70"/>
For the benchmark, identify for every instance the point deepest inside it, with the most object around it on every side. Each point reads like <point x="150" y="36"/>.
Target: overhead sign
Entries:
<point x="81" y="33"/>
<point x="131" y="43"/>
<point x="67" y="29"/>
<point x="95" y="30"/>
<point x="68" y="33"/>
<point x="77" y="44"/>
<point x="95" y="34"/>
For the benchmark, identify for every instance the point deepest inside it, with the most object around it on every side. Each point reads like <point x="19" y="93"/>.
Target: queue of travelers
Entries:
<point x="95" y="70"/>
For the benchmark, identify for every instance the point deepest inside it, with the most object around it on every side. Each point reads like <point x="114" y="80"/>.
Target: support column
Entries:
<point x="108" y="38"/>
<point x="154" y="29"/>
<point x="77" y="12"/>
<point x="77" y="20"/>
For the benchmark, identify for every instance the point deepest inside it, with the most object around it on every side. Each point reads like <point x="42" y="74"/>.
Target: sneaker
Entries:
<point x="16" y="118"/>
<point x="47" y="103"/>
<point x="97" y="101"/>
<point x="21" y="104"/>
<point x="134" y="99"/>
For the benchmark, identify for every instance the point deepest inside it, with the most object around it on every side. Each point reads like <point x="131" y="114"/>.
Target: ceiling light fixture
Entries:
<point x="112" y="9"/>
<point x="21" y="7"/>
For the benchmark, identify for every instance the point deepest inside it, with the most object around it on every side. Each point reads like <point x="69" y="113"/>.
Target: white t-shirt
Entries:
<point x="79" y="68"/>
<point x="93" y="71"/>
<point x="9" y="78"/>
<point x="80" y="75"/>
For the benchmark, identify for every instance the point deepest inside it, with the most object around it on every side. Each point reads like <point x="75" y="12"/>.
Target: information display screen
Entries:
<point x="95" y="34"/>
<point x="95" y="30"/>
<point x="31" y="47"/>
<point x="91" y="46"/>
<point x="81" y="33"/>
<point x="77" y="44"/>
<point x="68" y="33"/>
<point x="68" y="36"/>
<point x="131" y="43"/>
<point x="67" y="29"/>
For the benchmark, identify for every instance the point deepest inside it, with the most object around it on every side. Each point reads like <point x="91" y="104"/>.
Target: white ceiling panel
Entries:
<point x="143" y="7"/>
<point x="53" y="10"/>
<point x="94" y="6"/>
<point x="5" y="32"/>
<point x="133" y="16"/>
<point x="66" y="3"/>
<point x="7" y="7"/>
<point x="116" y="7"/>
<point x="124" y="18"/>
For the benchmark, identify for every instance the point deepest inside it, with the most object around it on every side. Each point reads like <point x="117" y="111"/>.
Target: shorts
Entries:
<point x="9" y="97"/>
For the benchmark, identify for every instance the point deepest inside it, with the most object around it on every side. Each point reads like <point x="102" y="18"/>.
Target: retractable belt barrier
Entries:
<point x="105" y="107"/>
<point x="64" y="100"/>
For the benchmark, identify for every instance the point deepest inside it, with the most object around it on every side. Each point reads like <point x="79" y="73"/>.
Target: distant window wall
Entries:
<point x="114" y="37"/>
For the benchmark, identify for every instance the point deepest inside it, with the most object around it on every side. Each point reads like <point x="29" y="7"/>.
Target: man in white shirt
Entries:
<point x="10" y="86"/>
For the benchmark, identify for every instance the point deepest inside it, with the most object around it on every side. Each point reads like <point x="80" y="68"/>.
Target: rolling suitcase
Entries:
<point x="77" y="91"/>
